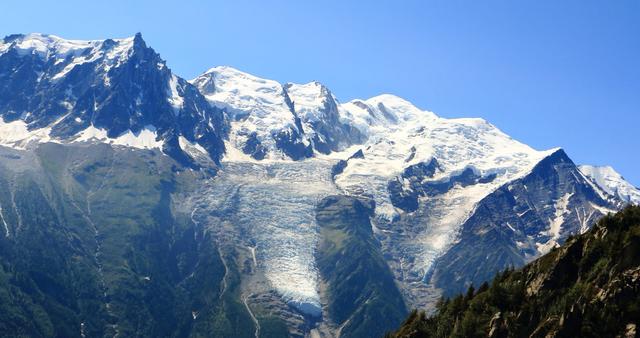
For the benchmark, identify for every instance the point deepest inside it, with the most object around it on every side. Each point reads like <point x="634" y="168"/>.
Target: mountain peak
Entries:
<point x="104" y="89"/>
<point x="138" y="41"/>
<point x="406" y="109"/>
<point x="612" y="182"/>
<point x="231" y="71"/>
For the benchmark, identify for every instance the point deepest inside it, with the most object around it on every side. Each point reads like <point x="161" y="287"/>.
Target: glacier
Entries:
<point x="273" y="205"/>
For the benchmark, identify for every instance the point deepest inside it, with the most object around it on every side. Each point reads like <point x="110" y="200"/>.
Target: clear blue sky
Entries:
<point x="549" y="73"/>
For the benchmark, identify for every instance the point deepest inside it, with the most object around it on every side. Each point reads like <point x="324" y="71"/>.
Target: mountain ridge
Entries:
<point x="104" y="88"/>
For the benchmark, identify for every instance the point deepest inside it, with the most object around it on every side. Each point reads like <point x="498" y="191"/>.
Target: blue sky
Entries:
<point x="549" y="73"/>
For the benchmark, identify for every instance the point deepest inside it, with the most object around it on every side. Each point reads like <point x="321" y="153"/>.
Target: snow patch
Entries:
<point x="16" y="134"/>
<point x="146" y="138"/>
<point x="71" y="53"/>
<point x="398" y="133"/>
<point x="555" y="224"/>
<point x="175" y="99"/>
<point x="4" y="222"/>
<point x="308" y="100"/>
<point x="194" y="150"/>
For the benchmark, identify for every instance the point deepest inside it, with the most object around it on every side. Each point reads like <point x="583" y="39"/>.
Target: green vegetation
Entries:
<point x="589" y="287"/>
<point x="96" y="248"/>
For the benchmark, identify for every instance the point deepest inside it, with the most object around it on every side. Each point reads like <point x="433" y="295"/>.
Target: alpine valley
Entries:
<point x="137" y="203"/>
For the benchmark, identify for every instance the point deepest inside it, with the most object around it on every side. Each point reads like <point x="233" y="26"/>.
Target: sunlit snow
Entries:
<point x="612" y="182"/>
<point x="254" y="105"/>
<point x="143" y="139"/>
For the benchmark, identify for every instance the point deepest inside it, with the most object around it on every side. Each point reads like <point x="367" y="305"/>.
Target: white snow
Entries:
<point x="4" y="222"/>
<point x="380" y="114"/>
<point x="194" y="150"/>
<point x="395" y="128"/>
<point x="46" y="45"/>
<point x="73" y="52"/>
<point x="146" y="138"/>
<point x="612" y="182"/>
<point x="188" y="146"/>
<point x="175" y="97"/>
<point x="601" y="209"/>
<point x="75" y="62"/>
<point x="274" y="206"/>
<point x="233" y="154"/>
<point x="69" y="54"/>
<point x="311" y="102"/>
<point x="4" y="46"/>
<point x="555" y="224"/>
<point x="17" y="135"/>
<point x="252" y="104"/>
<point x="121" y="49"/>
<point x="307" y="99"/>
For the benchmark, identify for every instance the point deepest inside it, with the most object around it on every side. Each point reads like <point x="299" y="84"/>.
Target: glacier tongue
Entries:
<point x="274" y="204"/>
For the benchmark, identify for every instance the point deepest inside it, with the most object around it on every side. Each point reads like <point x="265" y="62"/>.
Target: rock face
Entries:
<point x="319" y="113"/>
<point x="519" y="221"/>
<point x="588" y="287"/>
<point x="301" y="215"/>
<point x="109" y="89"/>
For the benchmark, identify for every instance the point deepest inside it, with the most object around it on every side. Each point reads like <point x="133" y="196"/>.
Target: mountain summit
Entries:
<point x="270" y="120"/>
<point x="119" y="91"/>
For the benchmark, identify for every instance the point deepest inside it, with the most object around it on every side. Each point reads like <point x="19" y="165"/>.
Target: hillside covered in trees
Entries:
<point x="588" y="287"/>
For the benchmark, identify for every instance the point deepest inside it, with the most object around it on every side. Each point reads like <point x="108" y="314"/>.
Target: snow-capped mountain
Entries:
<point x="274" y="121"/>
<point x="119" y="91"/>
<point x="439" y="203"/>
<point x="427" y="175"/>
<point x="612" y="182"/>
